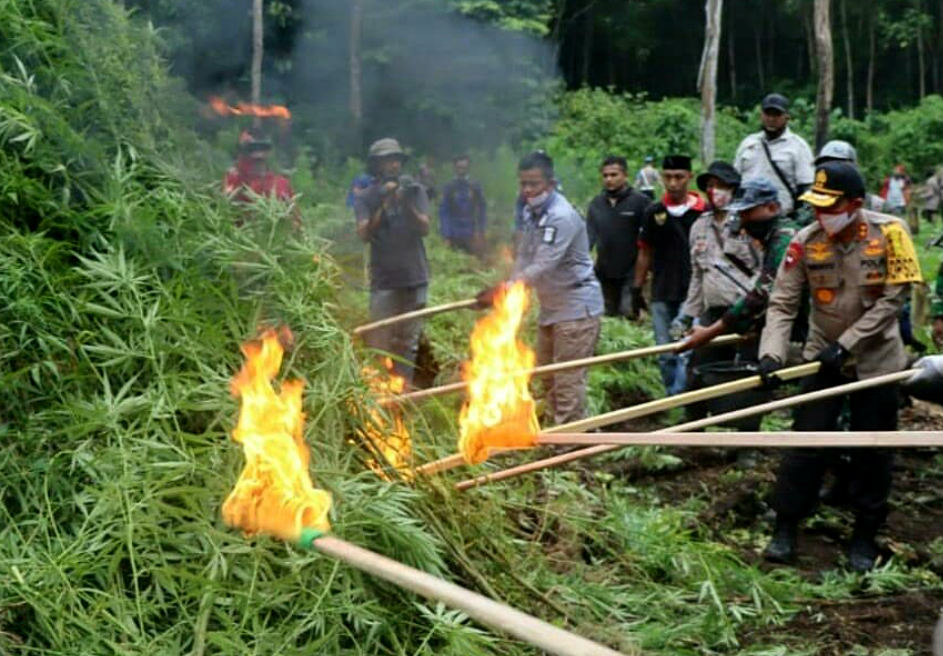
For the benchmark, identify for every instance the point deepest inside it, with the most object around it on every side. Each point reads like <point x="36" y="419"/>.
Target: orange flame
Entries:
<point x="274" y="493"/>
<point x="223" y="108"/>
<point x="499" y="411"/>
<point x="389" y="437"/>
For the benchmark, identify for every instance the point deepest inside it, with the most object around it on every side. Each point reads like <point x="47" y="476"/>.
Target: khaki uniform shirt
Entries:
<point x="723" y="267"/>
<point x="858" y="290"/>
<point x="791" y="154"/>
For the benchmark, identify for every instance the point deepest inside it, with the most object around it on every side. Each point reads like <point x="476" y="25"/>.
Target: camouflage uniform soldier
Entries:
<point x="859" y="266"/>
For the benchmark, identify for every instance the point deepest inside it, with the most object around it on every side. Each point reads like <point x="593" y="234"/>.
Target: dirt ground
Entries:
<point x="737" y="505"/>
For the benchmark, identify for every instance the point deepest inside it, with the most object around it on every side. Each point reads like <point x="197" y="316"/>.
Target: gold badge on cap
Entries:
<point x="821" y="178"/>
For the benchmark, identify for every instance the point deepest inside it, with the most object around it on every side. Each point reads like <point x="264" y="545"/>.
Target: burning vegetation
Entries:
<point x="499" y="412"/>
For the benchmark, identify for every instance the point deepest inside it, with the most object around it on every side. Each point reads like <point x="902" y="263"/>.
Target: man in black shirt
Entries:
<point x="613" y="221"/>
<point x="393" y="217"/>
<point x="664" y="249"/>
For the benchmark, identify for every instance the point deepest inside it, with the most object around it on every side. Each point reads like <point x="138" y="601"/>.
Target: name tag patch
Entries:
<point x="550" y="235"/>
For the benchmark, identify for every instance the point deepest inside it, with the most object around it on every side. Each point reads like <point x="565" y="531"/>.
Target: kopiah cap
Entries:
<point x="776" y="102"/>
<point x="720" y="170"/>
<point x="676" y="163"/>
<point x="752" y="193"/>
<point x="833" y="181"/>
<point x="836" y="149"/>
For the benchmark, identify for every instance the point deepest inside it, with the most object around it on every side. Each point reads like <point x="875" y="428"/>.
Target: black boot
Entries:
<point x="863" y="552"/>
<point x="782" y="548"/>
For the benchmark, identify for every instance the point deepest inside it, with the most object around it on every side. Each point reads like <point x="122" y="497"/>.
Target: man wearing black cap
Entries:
<point x="664" y="249"/>
<point x="859" y="266"/>
<point x="612" y="223"/>
<point x="393" y="217"/>
<point x="722" y="265"/>
<point x="777" y="153"/>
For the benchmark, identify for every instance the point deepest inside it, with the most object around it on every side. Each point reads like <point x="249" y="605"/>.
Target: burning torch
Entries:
<point x="275" y="495"/>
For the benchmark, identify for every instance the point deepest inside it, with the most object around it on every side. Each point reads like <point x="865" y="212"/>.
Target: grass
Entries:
<point x="125" y="291"/>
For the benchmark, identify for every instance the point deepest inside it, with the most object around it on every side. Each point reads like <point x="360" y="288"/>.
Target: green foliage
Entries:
<point x="595" y="123"/>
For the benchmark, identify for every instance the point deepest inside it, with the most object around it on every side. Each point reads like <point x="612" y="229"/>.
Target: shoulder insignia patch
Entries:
<point x="550" y="235"/>
<point x="661" y="217"/>
<point x="793" y="255"/>
<point x="902" y="263"/>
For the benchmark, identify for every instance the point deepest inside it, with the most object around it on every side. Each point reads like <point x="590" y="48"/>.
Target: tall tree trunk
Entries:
<point x="707" y="76"/>
<point x="758" y="47"/>
<point x="849" y="63"/>
<point x="257" y="45"/>
<point x="731" y="55"/>
<point x="590" y="23"/>
<point x="356" y="72"/>
<point x="872" y="55"/>
<point x="826" y="69"/>
<point x="810" y="42"/>
<point x="921" y="63"/>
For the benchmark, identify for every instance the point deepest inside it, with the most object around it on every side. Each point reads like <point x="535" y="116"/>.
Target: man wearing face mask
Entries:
<point x="776" y="153"/>
<point x="664" y="249"/>
<point x="722" y="265"/>
<point x="859" y="266"/>
<point x="758" y="216"/>
<point x="553" y="259"/>
<point x="612" y="222"/>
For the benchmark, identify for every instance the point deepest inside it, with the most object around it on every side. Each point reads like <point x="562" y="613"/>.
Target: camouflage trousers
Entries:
<point x="565" y="392"/>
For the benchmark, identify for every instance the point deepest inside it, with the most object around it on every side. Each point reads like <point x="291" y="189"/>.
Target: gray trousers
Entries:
<point x="565" y="392"/>
<point x="400" y="340"/>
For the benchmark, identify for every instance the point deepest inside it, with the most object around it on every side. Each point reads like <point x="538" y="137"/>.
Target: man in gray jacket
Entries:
<point x="553" y="259"/>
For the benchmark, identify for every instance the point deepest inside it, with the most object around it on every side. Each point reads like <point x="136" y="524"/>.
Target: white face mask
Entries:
<point x="538" y="200"/>
<point x="835" y="223"/>
<point x="720" y="198"/>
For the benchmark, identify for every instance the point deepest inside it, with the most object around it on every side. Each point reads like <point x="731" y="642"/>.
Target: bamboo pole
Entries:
<point x="415" y="314"/>
<point x="547" y="369"/>
<point x="812" y="439"/>
<point x="762" y="408"/>
<point x="643" y="410"/>
<point x="487" y="611"/>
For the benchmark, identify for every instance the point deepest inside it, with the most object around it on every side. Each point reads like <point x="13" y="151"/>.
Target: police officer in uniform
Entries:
<point x="759" y="218"/>
<point x="859" y="266"/>
<point x="723" y="265"/>
<point x="553" y="258"/>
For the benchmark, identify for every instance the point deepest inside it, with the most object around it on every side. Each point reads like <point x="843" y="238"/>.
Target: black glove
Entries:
<point x="767" y="369"/>
<point x="485" y="298"/>
<point x="833" y="357"/>
<point x="638" y="301"/>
